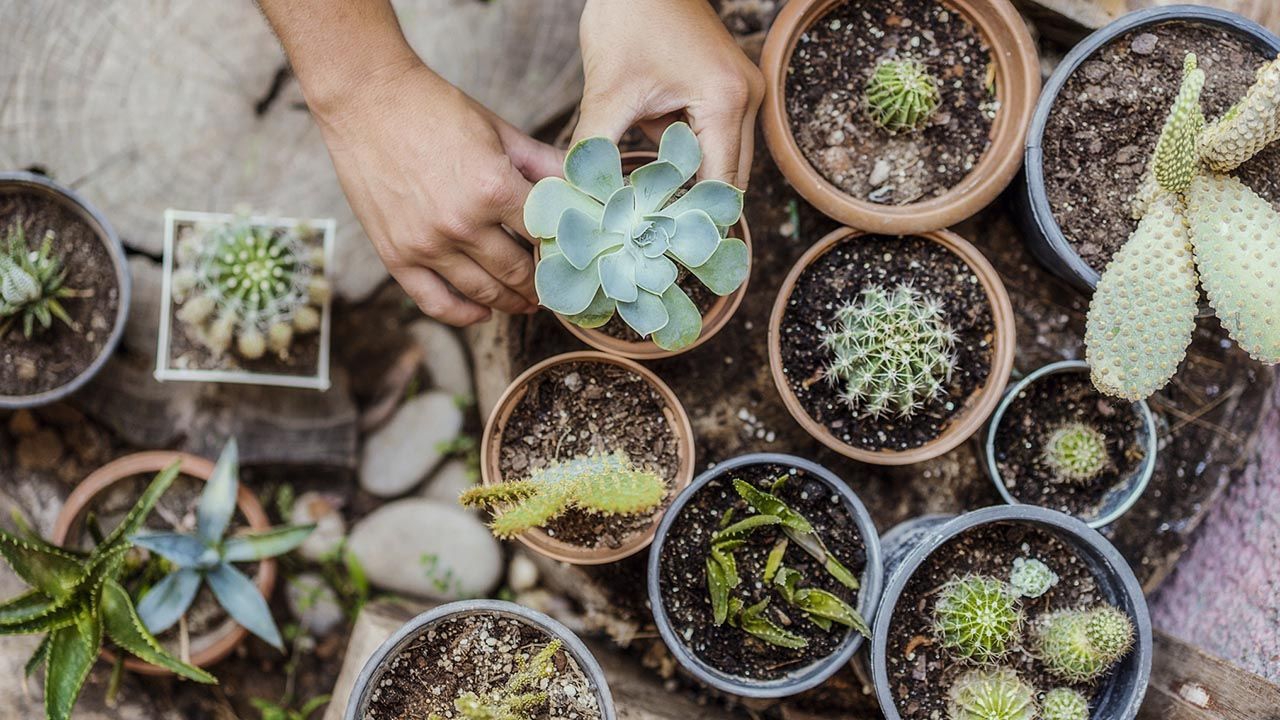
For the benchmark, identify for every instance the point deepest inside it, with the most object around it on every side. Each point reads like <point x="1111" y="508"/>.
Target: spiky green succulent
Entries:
<point x="1031" y="578"/>
<point x="977" y="618"/>
<point x="1080" y="645"/>
<point x="991" y="694"/>
<point x="517" y="699"/>
<point x="1064" y="704"/>
<point x="1196" y="226"/>
<point x="605" y="483"/>
<point x="609" y="245"/>
<point x="1076" y="452"/>
<point x="901" y="95"/>
<point x="31" y="284"/>
<point x="258" y="285"/>
<point x="891" y="350"/>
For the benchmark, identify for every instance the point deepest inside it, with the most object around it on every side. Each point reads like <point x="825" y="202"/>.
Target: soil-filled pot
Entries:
<point x="1096" y="125"/>
<point x="726" y="656"/>
<point x="476" y="646"/>
<point x="90" y="302"/>
<point x="1056" y="442"/>
<point x="616" y="338"/>
<point x="112" y="489"/>
<point x="925" y="556"/>
<point x="982" y="71"/>
<point x="581" y="405"/>
<point x="959" y="317"/>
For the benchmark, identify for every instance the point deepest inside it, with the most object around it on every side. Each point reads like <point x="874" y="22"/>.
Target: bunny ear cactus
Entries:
<point x="610" y="245"/>
<point x="207" y="557"/>
<point x="31" y="284"/>
<point x="1249" y="126"/>
<point x="77" y="600"/>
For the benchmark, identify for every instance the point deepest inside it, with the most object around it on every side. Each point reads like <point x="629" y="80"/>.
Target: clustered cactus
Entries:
<point x="1196" y="225"/>
<point x="1076" y="452"/>
<point x="1080" y="645"/>
<point x="901" y="95"/>
<point x="605" y="483"/>
<point x="991" y="694"/>
<point x="609" y="245"/>
<point x="891" y="351"/>
<point x="517" y="699"/>
<point x="31" y="284"/>
<point x="258" y="285"/>
<point x="1031" y="578"/>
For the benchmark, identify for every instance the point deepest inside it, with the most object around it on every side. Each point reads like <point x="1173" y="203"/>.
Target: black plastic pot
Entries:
<point x="799" y="679"/>
<point x="908" y="544"/>
<point x="78" y="206"/>
<point x="1040" y="229"/>
<point x="374" y="667"/>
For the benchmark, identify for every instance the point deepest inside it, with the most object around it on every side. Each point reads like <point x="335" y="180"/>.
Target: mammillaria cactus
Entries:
<point x="609" y="245"/>
<point x="901" y="95"/>
<point x="255" y="284"/>
<point x="991" y="694"/>
<point x="31" y="284"/>
<point x="1076" y="452"/>
<point x="605" y="483"/>
<point x="1079" y="645"/>
<point x="1031" y="578"/>
<point x="891" y="351"/>
<point x="977" y="618"/>
<point x="1064" y="704"/>
<point x="518" y="697"/>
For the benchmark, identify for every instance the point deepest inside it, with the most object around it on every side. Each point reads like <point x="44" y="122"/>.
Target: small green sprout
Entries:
<point x="519" y="697"/>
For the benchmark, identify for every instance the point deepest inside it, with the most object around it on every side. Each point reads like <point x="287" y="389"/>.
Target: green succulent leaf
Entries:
<point x="679" y="146"/>
<point x="218" y="499"/>
<point x="581" y="239"/>
<point x="564" y="288"/>
<point x="786" y="580"/>
<point x="684" y="320"/>
<point x="548" y="200"/>
<point x="646" y="315"/>
<point x="244" y="603"/>
<point x="696" y="238"/>
<point x="72" y="652"/>
<point x="620" y="212"/>
<point x="768" y="504"/>
<point x="594" y="166"/>
<point x="178" y="548"/>
<point x="49" y="570"/>
<point x="720" y="200"/>
<point x="132" y="522"/>
<point x="746" y="526"/>
<point x="655" y="274"/>
<point x="655" y="183"/>
<point x="718" y="590"/>
<point x="265" y="544"/>
<point x="841" y="573"/>
<point x="754" y="621"/>
<point x="38" y="657"/>
<point x="599" y="312"/>
<point x="618" y="276"/>
<point x="23" y="607"/>
<point x="726" y="269"/>
<point x="166" y="601"/>
<point x="125" y="628"/>
<point x="1177" y="157"/>
<point x="773" y="563"/>
<point x="820" y="603"/>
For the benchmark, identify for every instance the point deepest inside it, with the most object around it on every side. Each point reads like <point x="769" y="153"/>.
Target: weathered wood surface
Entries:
<point x="1069" y="20"/>
<point x="1190" y="684"/>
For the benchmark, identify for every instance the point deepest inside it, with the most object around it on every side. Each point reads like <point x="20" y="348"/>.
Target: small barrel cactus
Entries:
<point x="891" y="351"/>
<point x="977" y="618"/>
<point x="31" y="284"/>
<point x="1064" y="704"/>
<point x="1080" y="645"/>
<point x="1076" y="452"/>
<point x="1031" y="578"/>
<point x="901" y="95"/>
<point x="991" y="694"/>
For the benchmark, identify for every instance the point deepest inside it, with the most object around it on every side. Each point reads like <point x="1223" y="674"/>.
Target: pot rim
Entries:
<point x="1088" y="541"/>
<point x="978" y="406"/>
<point x="392" y="645"/>
<point x="105" y="234"/>
<point x="80" y="500"/>
<point x="868" y="596"/>
<point x="1076" y="271"/>
<point x="491" y="445"/>
<point x="1017" y="68"/>
<point x="1143" y="473"/>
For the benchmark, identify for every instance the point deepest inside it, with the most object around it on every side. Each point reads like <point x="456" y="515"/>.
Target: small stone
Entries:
<point x="23" y="423"/>
<point x="41" y="450"/>
<point x="522" y="574"/>
<point x="451" y="480"/>
<point x="331" y="527"/>
<point x="401" y="453"/>
<point x="1144" y="44"/>
<point x="314" y="604"/>
<point x="444" y="357"/>
<point x="573" y="381"/>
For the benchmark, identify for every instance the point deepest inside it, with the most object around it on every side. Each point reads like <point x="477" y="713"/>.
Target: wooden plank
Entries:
<point x="1189" y="684"/>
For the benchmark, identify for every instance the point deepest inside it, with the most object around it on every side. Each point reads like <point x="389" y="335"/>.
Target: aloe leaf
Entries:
<point x="269" y="543"/>
<point x="726" y="269"/>
<point x="696" y="238"/>
<point x="723" y="556"/>
<point x="58" y="614"/>
<point x="72" y="652"/>
<point x="718" y="590"/>
<point x="767" y="504"/>
<point x="38" y="657"/>
<point x="45" y="568"/>
<point x="138" y="513"/>
<point x="564" y="288"/>
<point x="655" y="183"/>
<point x="774" y="561"/>
<point x="183" y="550"/>
<point x="218" y="499"/>
<point x="594" y="166"/>
<point x="581" y="240"/>
<point x="646" y="315"/>
<point x="618" y="276"/>
<point x="125" y="628"/>
<point x="24" y="606"/>
<point x="548" y="200"/>
<point x="753" y="621"/>
<point x="166" y="601"/>
<point x="745" y="526"/>
<point x="821" y="603"/>
<point x="841" y="573"/>
<point x="240" y="598"/>
<point x="786" y="580"/>
<point x="679" y="146"/>
<point x="599" y="312"/>
<point x="720" y="200"/>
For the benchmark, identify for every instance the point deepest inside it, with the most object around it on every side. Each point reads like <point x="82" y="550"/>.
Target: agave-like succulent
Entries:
<point x="207" y="556"/>
<point x="612" y="245"/>
<point x="31" y="284"/>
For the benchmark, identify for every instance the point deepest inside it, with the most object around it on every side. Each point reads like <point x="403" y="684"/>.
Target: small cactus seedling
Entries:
<point x="1080" y="645"/>
<point x="605" y="483"/>
<point x="901" y="95"/>
<point x="991" y="694"/>
<point x="519" y="697"/>
<point x="891" y="351"/>
<point x="977" y="618"/>
<point x="1076" y="453"/>
<point x="1064" y="704"/>
<point x="1031" y="578"/>
<point x="31" y="284"/>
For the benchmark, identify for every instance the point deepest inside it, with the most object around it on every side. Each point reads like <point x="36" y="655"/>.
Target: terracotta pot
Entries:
<point x="218" y="644"/>
<point x="491" y="446"/>
<point x="977" y="407"/>
<point x="713" y="322"/>
<point x="1017" y="77"/>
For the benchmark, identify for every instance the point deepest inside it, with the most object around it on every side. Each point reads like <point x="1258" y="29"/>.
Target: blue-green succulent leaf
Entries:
<point x="696" y="238"/>
<point x="618" y="276"/>
<point x="581" y="240"/>
<point x="726" y="269"/>
<point x="125" y="628"/>
<point x="620" y="212"/>
<point x="182" y="550"/>
<point x="218" y="499"/>
<point x="269" y="543"/>
<point x="548" y="200"/>
<point x="599" y="312"/>
<point x="72" y="652"/>
<point x="240" y="598"/>
<point x="684" y="323"/>
<point x="564" y="288"/>
<point x="646" y="315"/>
<point x="679" y="146"/>
<point x="168" y="599"/>
<point x="594" y="166"/>
<point x="720" y="200"/>
<point x="655" y="274"/>
<point x="655" y="183"/>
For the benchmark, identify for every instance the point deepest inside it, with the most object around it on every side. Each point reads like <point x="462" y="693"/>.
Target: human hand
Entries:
<point x="651" y="62"/>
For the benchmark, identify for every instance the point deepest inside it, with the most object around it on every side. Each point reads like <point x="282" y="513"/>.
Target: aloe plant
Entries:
<point x="206" y="556"/>
<point x="77" y="601"/>
<point x="31" y="284"/>
<point x="610" y="245"/>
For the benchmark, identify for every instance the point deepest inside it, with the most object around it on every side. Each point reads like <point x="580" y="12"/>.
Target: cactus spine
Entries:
<point x="901" y="95"/>
<point x="977" y="618"/>
<point x="1080" y="645"/>
<point x="991" y="694"/>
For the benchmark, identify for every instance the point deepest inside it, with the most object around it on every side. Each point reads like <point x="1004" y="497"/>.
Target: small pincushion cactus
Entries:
<point x="1080" y="645"/>
<point x="609" y="245"/>
<point x="901" y="95"/>
<point x="991" y="694"/>
<point x="31" y="284"/>
<point x="258" y="285"/>
<point x="1031" y="578"/>
<point x="605" y="483"/>
<point x="1064" y="704"/>
<point x="891" y="351"/>
<point x="1076" y="452"/>
<point x="977" y="618"/>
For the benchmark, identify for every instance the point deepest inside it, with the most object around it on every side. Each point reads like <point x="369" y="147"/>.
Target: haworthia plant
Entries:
<point x="207" y="556"/>
<point x="77" y="601"/>
<point x="31" y="284"/>
<point x="613" y="245"/>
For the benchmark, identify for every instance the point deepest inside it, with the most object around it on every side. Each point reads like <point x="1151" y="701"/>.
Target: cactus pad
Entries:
<point x="1248" y="127"/>
<point x="991" y="694"/>
<point x="977" y="618"/>
<point x="1177" y="156"/>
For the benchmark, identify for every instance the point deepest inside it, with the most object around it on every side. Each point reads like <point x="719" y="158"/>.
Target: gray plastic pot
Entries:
<point x="799" y="679"/>
<point x="908" y="544"/>
<point x="377" y="663"/>
<point x="1125" y="493"/>
<point x="12" y="182"/>
<point x="1039" y="227"/>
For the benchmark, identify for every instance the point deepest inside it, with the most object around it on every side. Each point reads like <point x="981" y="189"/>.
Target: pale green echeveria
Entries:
<point x="610" y="244"/>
